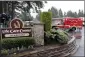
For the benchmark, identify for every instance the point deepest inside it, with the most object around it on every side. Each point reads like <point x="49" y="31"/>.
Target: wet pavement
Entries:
<point x="80" y="51"/>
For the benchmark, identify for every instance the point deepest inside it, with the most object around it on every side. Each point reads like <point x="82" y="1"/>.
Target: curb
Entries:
<point x="76" y="49"/>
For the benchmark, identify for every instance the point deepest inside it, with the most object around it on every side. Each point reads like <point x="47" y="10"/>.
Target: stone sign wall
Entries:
<point x="38" y="33"/>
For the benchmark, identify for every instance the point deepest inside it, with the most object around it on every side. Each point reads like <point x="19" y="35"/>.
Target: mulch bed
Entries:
<point x="35" y="49"/>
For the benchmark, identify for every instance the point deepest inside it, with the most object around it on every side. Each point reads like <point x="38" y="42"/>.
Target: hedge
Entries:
<point x="17" y="42"/>
<point x="46" y="18"/>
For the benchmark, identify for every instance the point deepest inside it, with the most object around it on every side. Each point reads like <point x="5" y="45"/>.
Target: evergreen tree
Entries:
<point x="75" y="14"/>
<point x="65" y="14"/>
<point x="60" y="13"/>
<point x="80" y="13"/>
<point x="69" y="14"/>
<point x="54" y="12"/>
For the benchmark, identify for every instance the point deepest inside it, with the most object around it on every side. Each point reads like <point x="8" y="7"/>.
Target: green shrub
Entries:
<point x="49" y="38"/>
<point x="56" y="36"/>
<point x="48" y="34"/>
<point x="61" y="37"/>
<point x="17" y="42"/>
<point x="4" y="52"/>
<point x="46" y="18"/>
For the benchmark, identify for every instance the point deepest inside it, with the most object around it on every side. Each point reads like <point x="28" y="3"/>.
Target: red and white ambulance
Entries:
<point x="70" y="22"/>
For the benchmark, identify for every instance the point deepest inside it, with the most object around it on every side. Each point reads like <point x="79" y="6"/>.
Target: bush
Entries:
<point x="49" y="38"/>
<point x="61" y="37"/>
<point x="46" y="18"/>
<point x="4" y="52"/>
<point x="17" y="42"/>
<point x="56" y="36"/>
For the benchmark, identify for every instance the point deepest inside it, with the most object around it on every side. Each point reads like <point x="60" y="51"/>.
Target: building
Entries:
<point x="56" y="21"/>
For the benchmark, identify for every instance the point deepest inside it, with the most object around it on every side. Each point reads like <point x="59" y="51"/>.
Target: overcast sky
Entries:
<point x="64" y="5"/>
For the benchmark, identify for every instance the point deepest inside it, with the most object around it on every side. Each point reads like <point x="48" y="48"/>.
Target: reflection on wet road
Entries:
<point x="80" y="51"/>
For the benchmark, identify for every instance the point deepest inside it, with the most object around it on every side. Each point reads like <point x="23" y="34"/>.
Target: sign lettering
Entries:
<point x="17" y="32"/>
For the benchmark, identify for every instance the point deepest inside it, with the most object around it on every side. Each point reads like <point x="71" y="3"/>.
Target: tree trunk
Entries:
<point x="12" y="13"/>
<point x="1" y="7"/>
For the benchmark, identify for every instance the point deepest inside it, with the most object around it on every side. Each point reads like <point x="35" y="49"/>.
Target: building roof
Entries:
<point x="36" y="21"/>
<point x="57" y="18"/>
